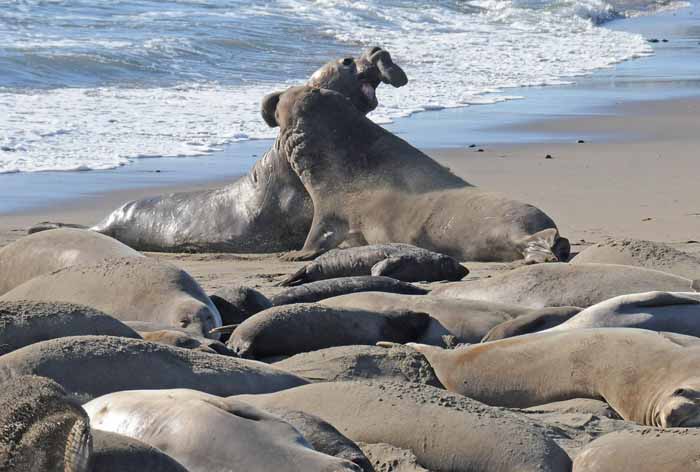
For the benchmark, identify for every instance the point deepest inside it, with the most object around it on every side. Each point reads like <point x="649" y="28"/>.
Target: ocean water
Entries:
<point x="95" y="84"/>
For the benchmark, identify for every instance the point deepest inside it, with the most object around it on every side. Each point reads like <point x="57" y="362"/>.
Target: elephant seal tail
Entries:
<point x="47" y="225"/>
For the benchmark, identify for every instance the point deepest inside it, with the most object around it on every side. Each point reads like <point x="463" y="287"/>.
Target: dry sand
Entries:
<point x="643" y="183"/>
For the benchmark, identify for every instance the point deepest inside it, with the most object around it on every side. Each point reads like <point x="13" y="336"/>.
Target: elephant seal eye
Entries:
<point x="680" y="392"/>
<point x="348" y="61"/>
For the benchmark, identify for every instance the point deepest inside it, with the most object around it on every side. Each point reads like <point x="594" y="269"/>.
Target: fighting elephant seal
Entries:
<point x="368" y="186"/>
<point x="465" y="321"/>
<point x="648" y="450"/>
<point x="399" y="261"/>
<point x="323" y="289"/>
<point x="582" y="285"/>
<point x="90" y="366"/>
<point x="267" y="210"/>
<point x="48" y="251"/>
<point x="116" y="453"/>
<point x="638" y="252"/>
<point x="647" y="377"/>
<point x="212" y="434"/>
<point x="303" y="327"/>
<point x="25" y="322"/>
<point x="42" y="429"/>
<point x="446" y="432"/>
<point x="128" y="289"/>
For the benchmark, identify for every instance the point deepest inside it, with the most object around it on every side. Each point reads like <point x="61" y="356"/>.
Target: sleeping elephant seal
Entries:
<point x="464" y="321"/>
<point x="90" y="366"/>
<point x="638" y="252"/>
<point x="554" y="285"/>
<point x="116" y="453"/>
<point x="647" y="450"/>
<point x="42" y="429"/>
<point x="647" y="377"/>
<point x="304" y="327"/>
<point x="48" y="251"/>
<point x="25" y="322"/>
<point x="128" y="289"/>
<point x="206" y="433"/>
<point x="446" y="432"/>
<point x="368" y="186"/>
<point x="267" y="210"/>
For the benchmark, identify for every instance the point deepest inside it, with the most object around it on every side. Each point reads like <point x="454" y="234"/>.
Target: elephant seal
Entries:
<point x="646" y="377"/>
<point x="656" y="311"/>
<point x="182" y="340"/>
<point x="323" y="289"/>
<point x="399" y="261"/>
<point x="368" y="186"/>
<point x="538" y="320"/>
<point x="27" y="322"/>
<point x="267" y="210"/>
<point x="128" y="289"/>
<point x="446" y="432"/>
<point x="90" y="366"/>
<point x="334" y="364"/>
<point x="303" y="327"/>
<point x="48" y="251"/>
<point x="648" y="450"/>
<point x="116" y="453"/>
<point x="237" y="303"/>
<point x="638" y="252"/>
<point x="42" y="429"/>
<point x="453" y="320"/>
<point x="581" y="285"/>
<point x="206" y="433"/>
<point x="323" y="437"/>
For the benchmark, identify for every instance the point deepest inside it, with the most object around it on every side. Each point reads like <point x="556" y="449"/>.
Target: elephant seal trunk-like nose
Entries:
<point x="390" y="72"/>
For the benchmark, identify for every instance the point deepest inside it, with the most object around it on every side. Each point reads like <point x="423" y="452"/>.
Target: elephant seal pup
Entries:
<point x="554" y="285"/>
<point x="446" y="432"/>
<point x="646" y="377"/>
<point x="334" y="364"/>
<point x="454" y="320"/>
<point x="656" y="311"/>
<point x="323" y="437"/>
<point x="303" y="327"/>
<point x="206" y="433"/>
<point x="48" y="251"/>
<point x="399" y="261"/>
<point x="90" y="366"/>
<point x="27" y="322"/>
<point x="116" y="453"/>
<point x="237" y="303"/>
<point x="42" y="429"/>
<point x="369" y="186"/>
<point x="641" y="253"/>
<point x="267" y="210"/>
<point x="647" y="450"/>
<point x="317" y="291"/>
<point x="129" y="289"/>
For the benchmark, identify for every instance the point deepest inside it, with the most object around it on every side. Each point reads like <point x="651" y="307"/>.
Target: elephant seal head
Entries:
<point x="355" y="79"/>
<point x="680" y="408"/>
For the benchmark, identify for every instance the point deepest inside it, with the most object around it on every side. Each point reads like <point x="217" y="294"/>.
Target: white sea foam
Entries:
<point x="454" y="58"/>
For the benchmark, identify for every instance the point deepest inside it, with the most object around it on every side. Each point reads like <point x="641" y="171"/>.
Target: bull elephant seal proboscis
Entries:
<point x="368" y="186"/>
<point x="267" y="210"/>
<point x="647" y="377"/>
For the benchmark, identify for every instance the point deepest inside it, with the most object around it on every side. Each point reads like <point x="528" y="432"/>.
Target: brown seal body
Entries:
<point x="647" y="377"/>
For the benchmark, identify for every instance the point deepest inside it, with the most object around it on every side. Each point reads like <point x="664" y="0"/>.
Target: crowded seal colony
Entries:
<point x="381" y="352"/>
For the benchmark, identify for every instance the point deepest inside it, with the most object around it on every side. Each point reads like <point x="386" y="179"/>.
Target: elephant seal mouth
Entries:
<point x="369" y="92"/>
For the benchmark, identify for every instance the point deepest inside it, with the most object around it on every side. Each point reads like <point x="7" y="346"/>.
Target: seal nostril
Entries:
<point x="348" y="61"/>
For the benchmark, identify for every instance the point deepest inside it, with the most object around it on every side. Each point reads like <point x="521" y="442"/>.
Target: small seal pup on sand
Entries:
<point x="638" y="252"/>
<point x="304" y="327"/>
<point x="399" y="261"/>
<point x="368" y="186"/>
<point x="128" y="289"/>
<point x="446" y="432"/>
<point x="647" y="377"/>
<point x="48" y="251"/>
<point x="561" y="284"/>
<point x="466" y="321"/>
<point x="206" y="433"/>
<point x="42" y="428"/>
<point x="90" y="366"/>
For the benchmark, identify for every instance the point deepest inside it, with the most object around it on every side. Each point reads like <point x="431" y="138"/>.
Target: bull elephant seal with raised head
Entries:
<point x="368" y="187"/>
<point x="267" y="210"/>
